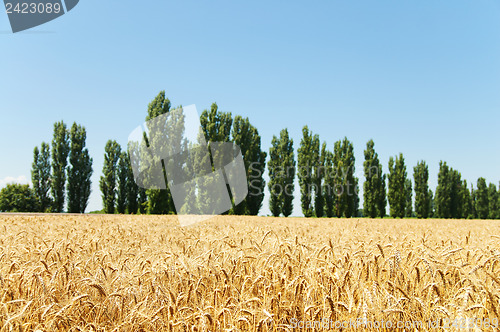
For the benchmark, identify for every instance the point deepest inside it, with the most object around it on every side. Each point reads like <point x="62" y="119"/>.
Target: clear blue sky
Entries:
<point x="419" y="77"/>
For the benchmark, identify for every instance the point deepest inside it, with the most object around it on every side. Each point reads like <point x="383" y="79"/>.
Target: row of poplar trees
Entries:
<point x="328" y="186"/>
<point x="120" y="194"/>
<point x="61" y="171"/>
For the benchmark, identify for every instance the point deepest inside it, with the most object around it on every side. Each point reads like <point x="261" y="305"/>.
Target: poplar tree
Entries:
<point x="307" y="159"/>
<point x="248" y="139"/>
<point x="122" y="177"/>
<point x="345" y="183"/>
<point x="79" y="171"/>
<point x="408" y="194"/>
<point x="398" y="191"/>
<point x="60" y="151"/>
<point x="374" y="198"/>
<point x="216" y="127"/>
<point x="108" y="179"/>
<point x="159" y="201"/>
<point x="449" y="193"/>
<point x="40" y="177"/>
<point x="422" y="192"/>
<point x="481" y="197"/>
<point x="281" y="169"/>
<point x="131" y="188"/>
<point x="318" y="175"/>
<point x="492" y="202"/>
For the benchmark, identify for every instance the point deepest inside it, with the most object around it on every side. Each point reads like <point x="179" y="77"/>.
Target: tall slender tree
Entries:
<point x="131" y="188"/>
<point x="121" y="194"/>
<point x="398" y="189"/>
<point x="409" y="195"/>
<point x="481" y="196"/>
<point x="216" y="127"/>
<point x="492" y="202"/>
<point x="248" y="139"/>
<point x="318" y="175"/>
<point x="108" y="179"/>
<point x="276" y="174"/>
<point x="347" y="199"/>
<point x="449" y="193"/>
<point x="60" y="151"/>
<point x="308" y="156"/>
<point x="160" y="200"/>
<point x="40" y="177"/>
<point x="374" y="201"/>
<point x="330" y="187"/>
<point x="422" y="192"/>
<point x="79" y="171"/>
<point x="281" y="169"/>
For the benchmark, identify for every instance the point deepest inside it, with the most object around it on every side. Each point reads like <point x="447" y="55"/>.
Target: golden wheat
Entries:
<point x="133" y="273"/>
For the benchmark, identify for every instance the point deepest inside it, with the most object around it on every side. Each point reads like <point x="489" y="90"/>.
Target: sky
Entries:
<point x="417" y="77"/>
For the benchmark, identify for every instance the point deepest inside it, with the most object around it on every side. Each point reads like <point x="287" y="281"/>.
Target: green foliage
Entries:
<point x="216" y="127"/>
<point x="399" y="190"/>
<point x="131" y="187"/>
<point x="492" y="202"/>
<point x="374" y="197"/>
<point x="408" y="201"/>
<point x="307" y="160"/>
<point x="481" y="198"/>
<point x="18" y="198"/>
<point x="248" y="139"/>
<point x="79" y="171"/>
<point x="281" y="169"/>
<point x="449" y="193"/>
<point x="345" y="183"/>
<point x="60" y="151"/>
<point x="422" y="191"/>
<point x="108" y="179"/>
<point x="160" y="200"/>
<point x="40" y="177"/>
<point x="122" y="172"/>
<point x="318" y="178"/>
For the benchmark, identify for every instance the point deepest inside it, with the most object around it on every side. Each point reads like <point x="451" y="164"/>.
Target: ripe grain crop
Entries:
<point x="145" y="273"/>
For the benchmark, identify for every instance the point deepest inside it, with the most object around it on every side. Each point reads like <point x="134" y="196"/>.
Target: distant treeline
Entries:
<point x="327" y="183"/>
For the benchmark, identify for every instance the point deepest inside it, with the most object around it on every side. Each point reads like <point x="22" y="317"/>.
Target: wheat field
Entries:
<point x="145" y="273"/>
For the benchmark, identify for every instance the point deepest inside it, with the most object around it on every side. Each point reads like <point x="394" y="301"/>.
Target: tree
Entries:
<point x="122" y="172"/>
<point x="398" y="187"/>
<point x="281" y="169"/>
<point x="276" y="175"/>
<point x="40" y="177"/>
<point x="248" y="139"/>
<point x="131" y="188"/>
<point x="216" y="127"/>
<point x="408" y="194"/>
<point x="307" y="159"/>
<point x="142" y="201"/>
<point x="449" y="193"/>
<point x="79" y="171"/>
<point x="108" y="179"/>
<point x="160" y="200"/>
<point x="432" y="204"/>
<point x="422" y="192"/>
<point x="318" y="176"/>
<point x="467" y="211"/>
<point x="374" y="186"/>
<point x="344" y="183"/>
<point x="18" y="198"/>
<point x="60" y="151"/>
<point x="330" y="189"/>
<point x="481" y="197"/>
<point x="492" y="202"/>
